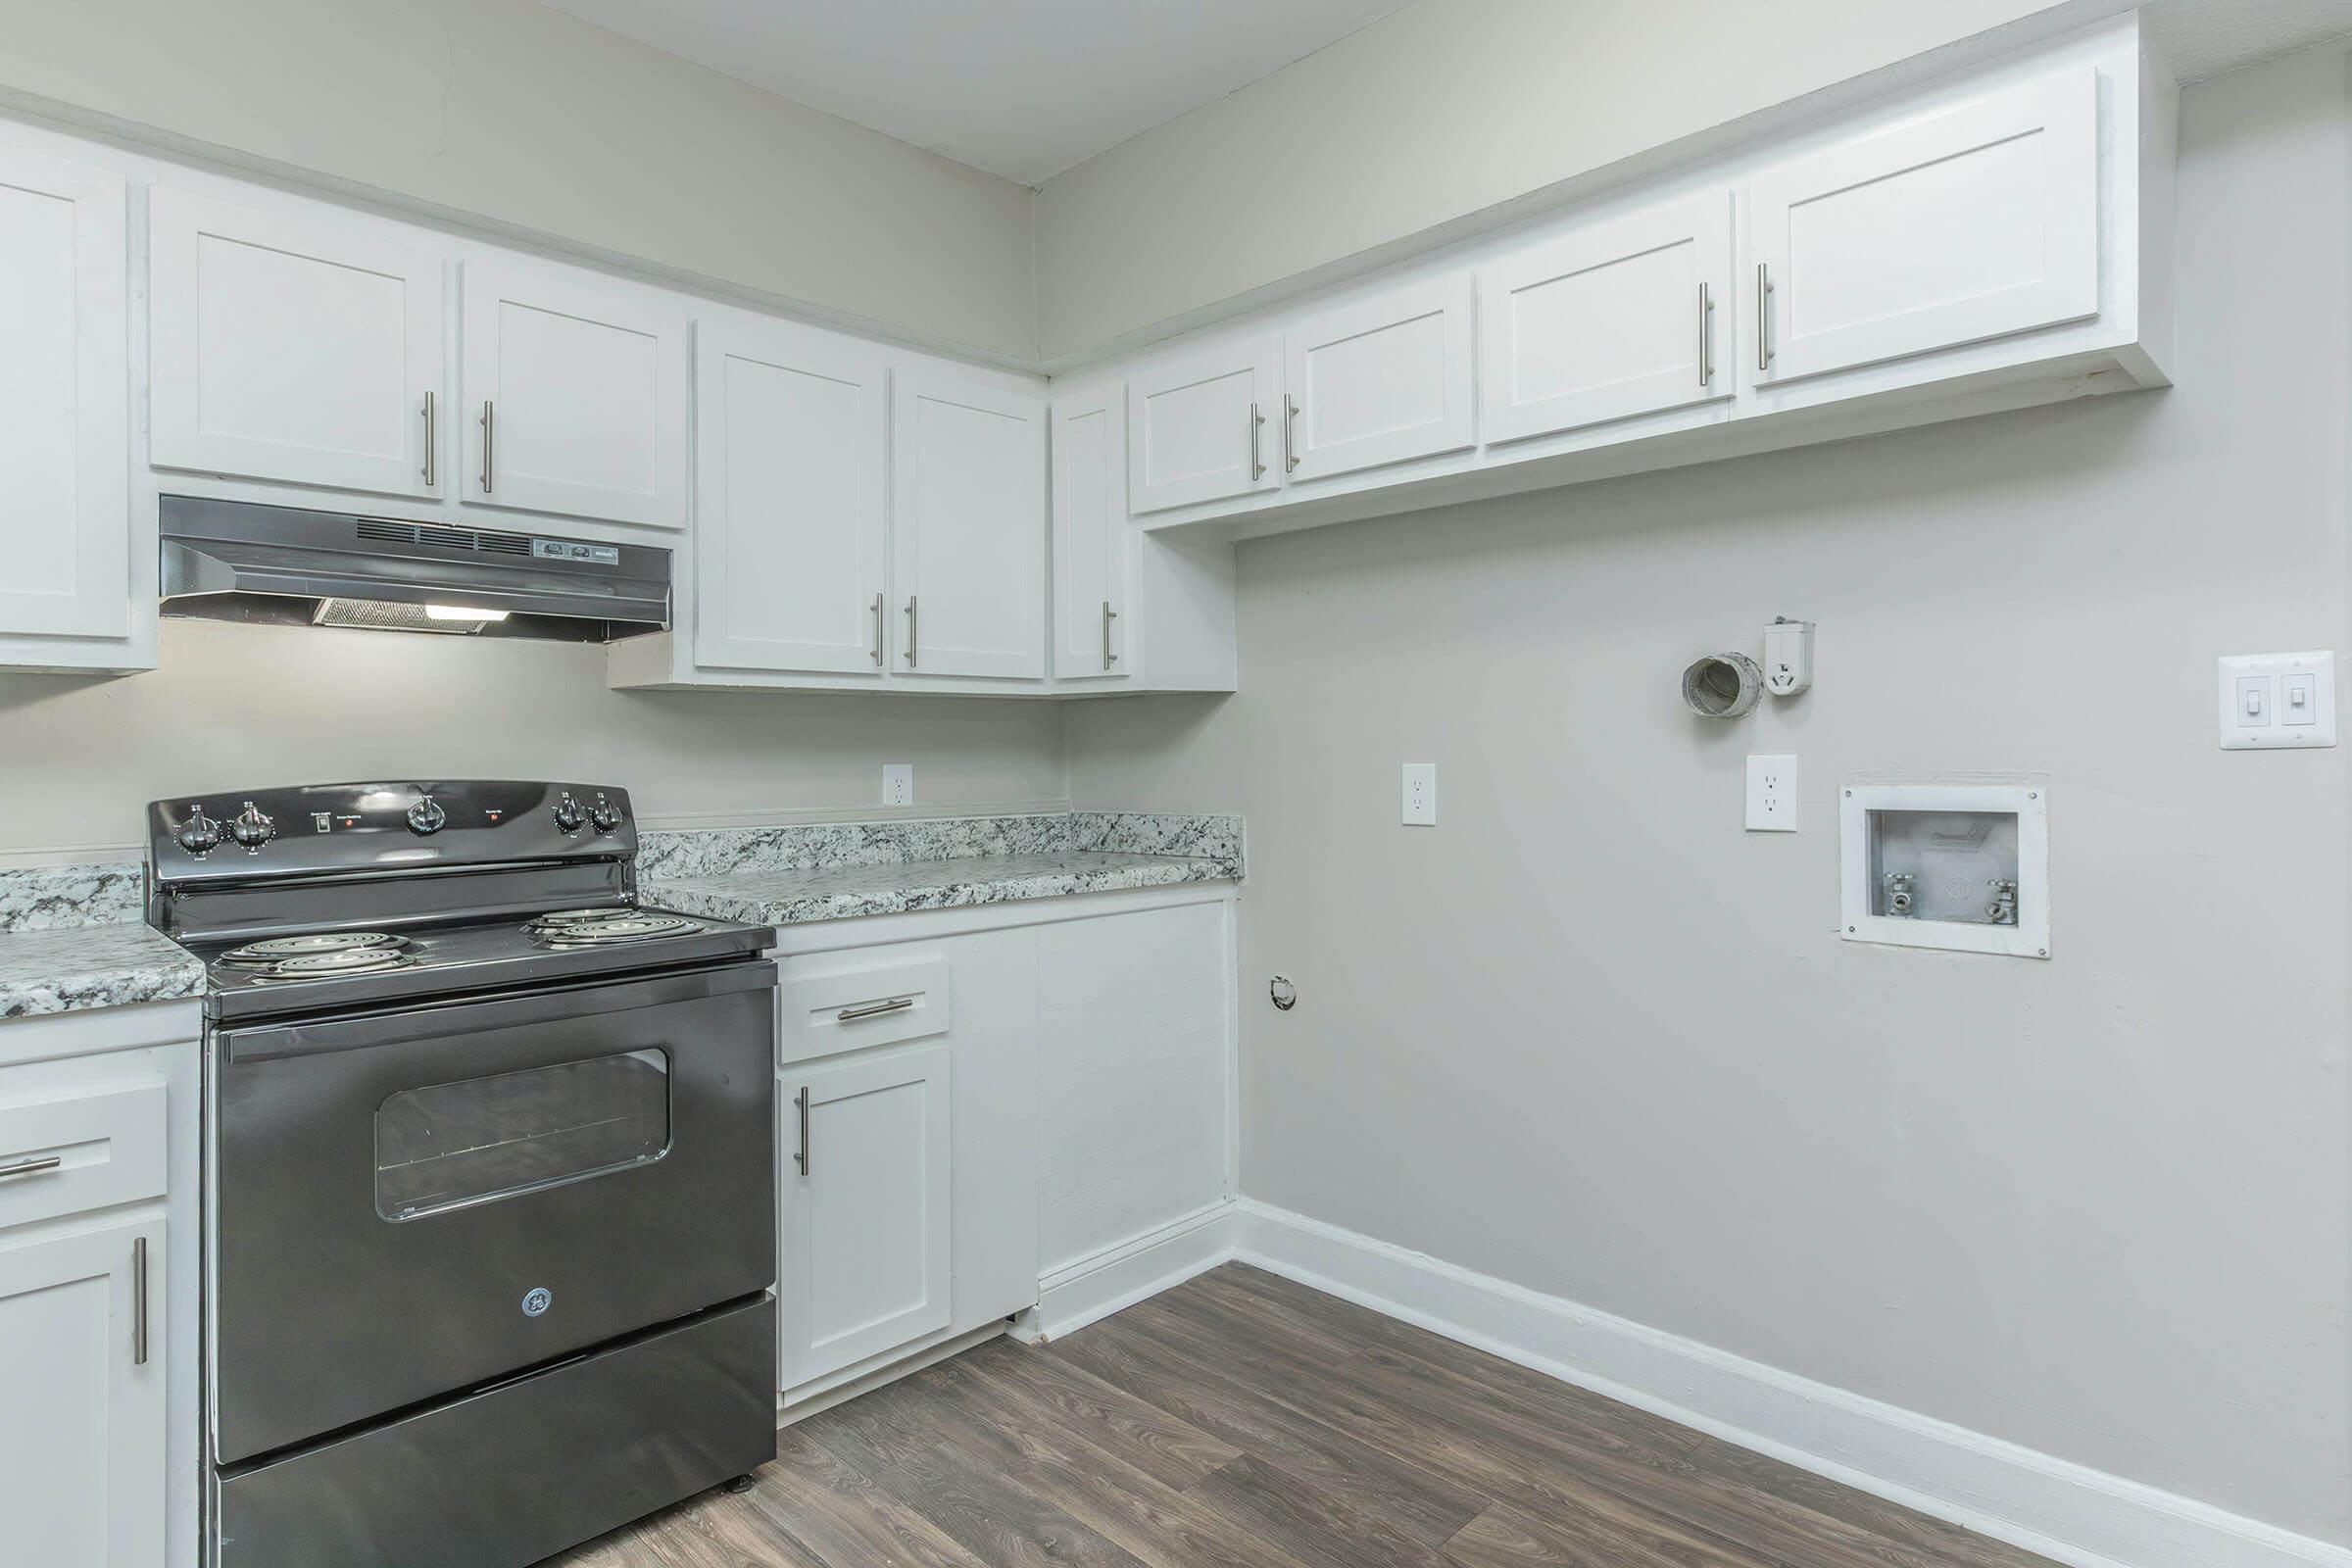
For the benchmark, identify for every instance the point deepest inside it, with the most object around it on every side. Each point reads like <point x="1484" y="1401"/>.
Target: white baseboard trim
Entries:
<point x="2049" y="1505"/>
<point x="1077" y="1293"/>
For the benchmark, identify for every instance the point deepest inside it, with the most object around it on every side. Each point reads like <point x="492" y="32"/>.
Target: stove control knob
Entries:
<point x="199" y="833"/>
<point x="252" y="828"/>
<point x="568" y="815"/>
<point x="605" y="815"/>
<point x="426" y="816"/>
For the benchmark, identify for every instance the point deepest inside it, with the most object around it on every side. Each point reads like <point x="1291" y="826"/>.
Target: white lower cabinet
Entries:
<point x="988" y="1109"/>
<point x="865" y="1209"/>
<point x="82" y="1384"/>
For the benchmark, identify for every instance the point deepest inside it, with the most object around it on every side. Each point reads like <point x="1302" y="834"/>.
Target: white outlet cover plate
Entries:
<point x="1418" y="787"/>
<point x="2273" y="681"/>
<point x="898" y="783"/>
<point x="1772" y="794"/>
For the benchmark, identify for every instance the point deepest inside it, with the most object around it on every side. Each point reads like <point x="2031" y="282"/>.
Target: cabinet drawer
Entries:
<point x="80" y="1153"/>
<point x="842" y="1003"/>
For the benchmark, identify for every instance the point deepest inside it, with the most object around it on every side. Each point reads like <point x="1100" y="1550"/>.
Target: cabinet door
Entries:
<point x="1199" y="425"/>
<point x="790" y="478"/>
<point x="295" y="342"/>
<point x="575" y="395"/>
<point x="865" y="1262"/>
<point x="967" y="525"/>
<point x="1624" y="316"/>
<point x="1379" y="380"/>
<point x="65" y="431"/>
<point x="1971" y="224"/>
<point x="1092" y="614"/>
<point x="82" y="1449"/>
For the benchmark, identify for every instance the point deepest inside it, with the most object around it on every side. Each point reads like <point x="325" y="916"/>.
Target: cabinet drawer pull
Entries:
<point x="138" y="1305"/>
<point x="1109" y="615"/>
<point x="877" y="628"/>
<point x="489" y="435"/>
<point x="912" y="624"/>
<point x="431" y="433"/>
<point x="1257" y="421"/>
<point x="1290" y="434"/>
<point x="31" y="1167"/>
<point x="1763" y="317"/>
<point x="873" y="1009"/>
<point x="801" y="1155"/>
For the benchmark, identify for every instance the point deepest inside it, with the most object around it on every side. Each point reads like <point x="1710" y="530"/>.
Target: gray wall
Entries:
<point x="1588" y="1036"/>
<point x="247" y="705"/>
<point x="518" y="113"/>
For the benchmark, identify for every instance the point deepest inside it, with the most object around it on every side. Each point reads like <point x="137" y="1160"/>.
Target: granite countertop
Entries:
<point x="792" y="875"/>
<point x="794" y="896"/>
<point x="68" y="969"/>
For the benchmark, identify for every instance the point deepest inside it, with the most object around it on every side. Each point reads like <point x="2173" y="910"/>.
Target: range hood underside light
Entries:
<point x="377" y="614"/>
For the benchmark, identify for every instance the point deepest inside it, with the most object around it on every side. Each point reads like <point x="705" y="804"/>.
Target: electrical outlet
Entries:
<point x="1772" y="795"/>
<point x="898" y="783"/>
<point x="1421" y="795"/>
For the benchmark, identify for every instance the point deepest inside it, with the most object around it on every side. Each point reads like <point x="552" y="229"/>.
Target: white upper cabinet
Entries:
<point x="1379" y="380"/>
<point x="295" y="341"/>
<point x="574" y="397"/>
<point x="867" y="1229"/>
<point x="65" y="431"/>
<point x="1626" y="315"/>
<point x="1092" y="602"/>
<point x="1197" y="425"/>
<point x="789" y="510"/>
<point x="1973" y="224"/>
<point x="967" y="524"/>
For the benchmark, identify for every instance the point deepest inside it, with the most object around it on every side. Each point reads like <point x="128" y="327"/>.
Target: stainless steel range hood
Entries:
<point x="281" y="565"/>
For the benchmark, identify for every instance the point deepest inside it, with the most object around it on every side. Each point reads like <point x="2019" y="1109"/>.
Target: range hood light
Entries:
<point x="463" y="613"/>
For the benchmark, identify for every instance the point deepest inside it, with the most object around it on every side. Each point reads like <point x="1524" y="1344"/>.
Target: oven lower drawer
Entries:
<point x="504" y="1476"/>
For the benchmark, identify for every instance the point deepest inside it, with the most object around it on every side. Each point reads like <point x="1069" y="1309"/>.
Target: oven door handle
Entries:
<point x="436" y="1021"/>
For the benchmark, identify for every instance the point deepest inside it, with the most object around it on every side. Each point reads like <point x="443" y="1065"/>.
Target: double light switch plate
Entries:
<point x="2277" y="701"/>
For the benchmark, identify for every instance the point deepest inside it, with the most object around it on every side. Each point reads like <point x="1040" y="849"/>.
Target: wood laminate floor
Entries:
<point x="1243" y="1421"/>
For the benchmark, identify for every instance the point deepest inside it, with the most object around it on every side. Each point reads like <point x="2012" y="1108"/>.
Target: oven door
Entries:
<point x="409" y="1203"/>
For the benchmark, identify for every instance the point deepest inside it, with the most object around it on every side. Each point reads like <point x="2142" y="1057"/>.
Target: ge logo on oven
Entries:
<point x="537" y="1301"/>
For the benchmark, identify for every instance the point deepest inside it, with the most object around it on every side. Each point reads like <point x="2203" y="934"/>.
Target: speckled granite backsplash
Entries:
<point x="59" y="898"/>
<point x="715" y="852"/>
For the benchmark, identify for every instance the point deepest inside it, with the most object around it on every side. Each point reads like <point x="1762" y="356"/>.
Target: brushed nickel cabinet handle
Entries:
<point x="1257" y="421"/>
<point x="1290" y="435"/>
<point x="431" y="432"/>
<point x="1763" y="317"/>
<point x="1109" y="615"/>
<point x="31" y="1167"/>
<point x="912" y="624"/>
<point x="877" y="628"/>
<point x="489" y="435"/>
<point x="873" y="1009"/>
<point x="138" y="1302"/>
<point x="800" y="1157"/>
<point x="1706" y="336"/>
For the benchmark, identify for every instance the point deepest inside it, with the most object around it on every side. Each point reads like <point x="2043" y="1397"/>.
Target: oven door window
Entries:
<point x="452" y="1145"/>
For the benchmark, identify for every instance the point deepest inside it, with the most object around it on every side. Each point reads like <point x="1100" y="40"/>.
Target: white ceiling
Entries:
<point x="1022" y="88"/>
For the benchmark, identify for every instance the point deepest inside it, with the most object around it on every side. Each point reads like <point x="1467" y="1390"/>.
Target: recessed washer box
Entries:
<point x="1960" y="866"/>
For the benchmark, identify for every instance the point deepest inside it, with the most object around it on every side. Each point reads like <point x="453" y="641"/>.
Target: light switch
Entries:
<point x="2277" y="701"/>
<point x="2296" y="700"/>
